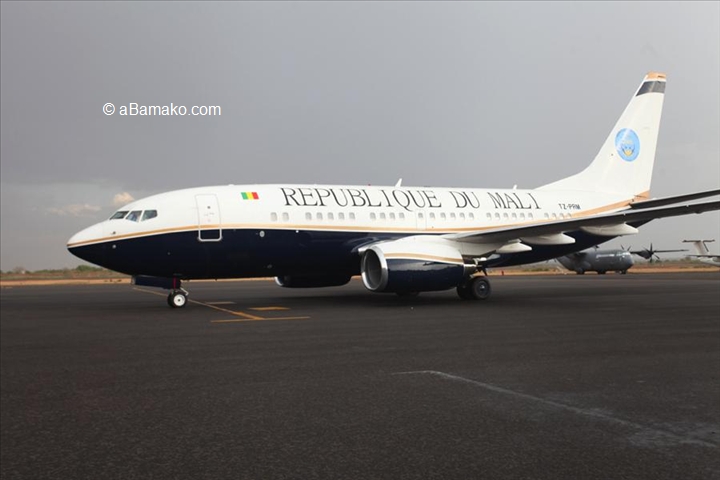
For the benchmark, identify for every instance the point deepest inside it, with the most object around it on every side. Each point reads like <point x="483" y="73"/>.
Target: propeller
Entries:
<point x="650" y="253"/>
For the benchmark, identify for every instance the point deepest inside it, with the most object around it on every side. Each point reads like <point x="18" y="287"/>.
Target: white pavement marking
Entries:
<point x="580" y="411"/>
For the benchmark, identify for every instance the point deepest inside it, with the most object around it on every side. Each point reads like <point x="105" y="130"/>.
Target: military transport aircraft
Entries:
<point x="399" y="239"/>
<point x="602" y="261"/>
<point x="704" y="254"/>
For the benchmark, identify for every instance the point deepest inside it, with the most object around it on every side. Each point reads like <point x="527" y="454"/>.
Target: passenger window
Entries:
<point x="452" y="215"/>
<point x="382" y="216"/>
<point x="442" y="215"/>
<point x="148" y="214"/>
<point x="319" y="216"/>
<point x="489" y="216"/>
<point x="308" y="216"/>
<point x="462" y="216"/>
<point x="514" y="216"/>
<point x="134" y="216"/>
<point x="341" y="216"/>
<point x="432" y="215"/>
<point x="471" y="216"/>
<point x="372" y="216"/>
<point x="286" y="217"/>
<point x="352" y="216"/>
<point x="119" y="215"/>
<point x="273" y="217"/>
<point x="330" y="216"/>
<point x="402" y="216"/>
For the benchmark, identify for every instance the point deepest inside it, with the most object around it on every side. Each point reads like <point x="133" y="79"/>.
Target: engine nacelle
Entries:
<point x="312" y="281"/>
<point x="413" y="264"/>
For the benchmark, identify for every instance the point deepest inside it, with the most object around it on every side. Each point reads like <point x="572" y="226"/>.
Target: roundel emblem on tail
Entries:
<point x="627" y="144"/>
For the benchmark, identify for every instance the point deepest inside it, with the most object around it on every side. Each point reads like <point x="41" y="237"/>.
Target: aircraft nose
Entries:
<point x="86" y="236"/>
<point x="87" y="244"/>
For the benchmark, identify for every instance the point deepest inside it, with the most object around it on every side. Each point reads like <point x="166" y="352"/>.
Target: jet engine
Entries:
<point x="413" y="264"/>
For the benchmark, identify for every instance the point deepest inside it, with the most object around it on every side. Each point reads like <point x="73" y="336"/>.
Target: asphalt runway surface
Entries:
<point x="554" y="377"/>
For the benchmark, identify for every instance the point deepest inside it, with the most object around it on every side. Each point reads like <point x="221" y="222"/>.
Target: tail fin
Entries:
<point x="700" y="246"/>
<point x="624" y="164"/>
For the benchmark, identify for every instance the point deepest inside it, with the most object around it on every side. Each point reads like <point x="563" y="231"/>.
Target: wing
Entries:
<point x="612" y="222"/>
<point x="659" y="202"/>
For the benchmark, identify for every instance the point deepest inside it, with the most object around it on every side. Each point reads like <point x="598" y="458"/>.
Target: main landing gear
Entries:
<point x="474" y="288"/>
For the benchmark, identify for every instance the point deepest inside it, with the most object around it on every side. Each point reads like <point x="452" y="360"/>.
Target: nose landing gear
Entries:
<point x="177" y="298"/>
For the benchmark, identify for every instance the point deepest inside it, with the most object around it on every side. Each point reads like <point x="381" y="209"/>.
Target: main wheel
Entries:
<point x="479" y="288"/>
<point x="177" y="299"/>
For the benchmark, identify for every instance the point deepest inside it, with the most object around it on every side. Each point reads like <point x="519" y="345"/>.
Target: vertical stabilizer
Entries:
<point x="700" y="246"/>
<point x="624" y="164"/>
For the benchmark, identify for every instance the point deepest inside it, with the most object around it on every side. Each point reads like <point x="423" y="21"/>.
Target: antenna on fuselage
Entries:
<point x="399" y="183"/>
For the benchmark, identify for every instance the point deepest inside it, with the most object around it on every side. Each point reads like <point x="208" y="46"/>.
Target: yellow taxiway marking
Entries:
<point x="266" y="319"/>
<point x="246" y="316"/>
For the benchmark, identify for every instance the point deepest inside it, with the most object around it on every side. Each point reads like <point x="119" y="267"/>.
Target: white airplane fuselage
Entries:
<point x="277" y="230"/>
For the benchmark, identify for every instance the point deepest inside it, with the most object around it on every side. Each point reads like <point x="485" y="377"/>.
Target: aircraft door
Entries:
<point x="209" y="222"/>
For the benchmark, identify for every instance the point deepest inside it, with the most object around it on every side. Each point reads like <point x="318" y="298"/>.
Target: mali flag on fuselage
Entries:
<point x="250" y="196"/>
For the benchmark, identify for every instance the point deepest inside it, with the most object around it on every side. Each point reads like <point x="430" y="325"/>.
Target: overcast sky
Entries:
<point x="444" y="94"/>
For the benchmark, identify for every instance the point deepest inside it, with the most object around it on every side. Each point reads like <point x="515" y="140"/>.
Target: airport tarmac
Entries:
<point x="556" y="377"/>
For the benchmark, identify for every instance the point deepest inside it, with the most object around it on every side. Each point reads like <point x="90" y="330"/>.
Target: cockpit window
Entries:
<point x="134" y="216"/>
<point x="148" y="214"/>
<point x="119" y="215"/>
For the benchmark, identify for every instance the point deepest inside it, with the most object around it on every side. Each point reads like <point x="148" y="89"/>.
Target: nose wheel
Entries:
<point x="177" y="298"/>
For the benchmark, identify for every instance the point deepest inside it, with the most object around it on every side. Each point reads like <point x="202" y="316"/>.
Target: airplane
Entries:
<point x="704" y="254"/>
<point x="602" y="261"/>
<point x="399" y="239"/>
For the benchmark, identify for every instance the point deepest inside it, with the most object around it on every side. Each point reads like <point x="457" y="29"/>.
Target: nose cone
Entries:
<point x="89" y="235"/>
<point x="88" y="244"/>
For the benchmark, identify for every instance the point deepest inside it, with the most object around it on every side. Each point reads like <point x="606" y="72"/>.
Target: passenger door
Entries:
<point x="209" y="222"/>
